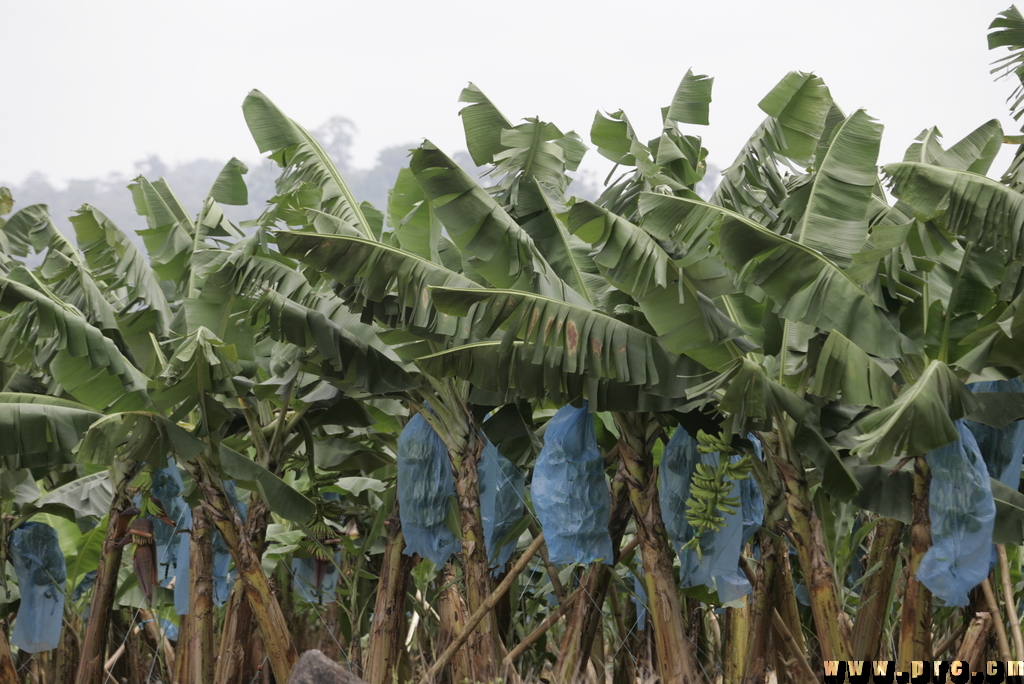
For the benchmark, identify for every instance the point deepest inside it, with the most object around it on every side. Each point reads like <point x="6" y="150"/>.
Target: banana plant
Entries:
<point x="114" y="355"/>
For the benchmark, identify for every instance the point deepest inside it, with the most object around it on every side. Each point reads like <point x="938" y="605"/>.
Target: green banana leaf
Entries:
<point x="304" y="161"/>
<point x="41" y="431"/>
<point x="921" y="418"/>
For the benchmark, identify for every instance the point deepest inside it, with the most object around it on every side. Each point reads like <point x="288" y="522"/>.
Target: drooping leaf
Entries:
<point x="800" y="105"/>
<point x="805" y="286"/>
<point x="691" y="100"/>
<point x="569" y="339"/>
<point x="377" y="270"/>
<point x="86" y="496"/>
<point x="229" y="188"/>
<point x="982" y="211"/>
<point x="281" y="497"/>
<point x="921" y="418"/>
<point x="140" y="436"/>
<point x="116" y="262"/>
<point x="370" y="369"/>
<point x="687" y="321"/>
<point x="41" y="431"/>
<point x="505" y="373"/>
<point x="87" y="364"/>
<point x="845" y="370"/>
<point x="304" y="161"/>
<point x="496" y="247"/>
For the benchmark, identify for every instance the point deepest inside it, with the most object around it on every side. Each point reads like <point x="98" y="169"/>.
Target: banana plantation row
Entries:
<point x="499" y="432"/>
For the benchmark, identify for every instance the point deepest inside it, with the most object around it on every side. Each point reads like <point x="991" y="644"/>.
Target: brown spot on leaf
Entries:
<point x="595" y="344"/>
<point x="533" y="323"/>
<point x="572" y="336"/>
<point x="547" y="326"/>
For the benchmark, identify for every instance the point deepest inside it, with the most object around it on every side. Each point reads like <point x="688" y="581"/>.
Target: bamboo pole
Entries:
<point x="997" y="620"/>
<point x="803" y="668"/>
<point x="543" y="627"/>
<point x="1011" y="606"/>
<point x="483" y="610"/>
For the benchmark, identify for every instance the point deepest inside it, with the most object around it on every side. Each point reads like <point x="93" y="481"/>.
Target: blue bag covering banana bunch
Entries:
<point x="167" y="488"/>
<point x="570" y="494"/>
<point x="962" y="514"/>
<point x="1002" y="448"/>
<point x="501" y="502"/>
<point x="39" y="564"/>
<point x="222" y="582"/>
<point x="717" y="564"/>
<point x="425" y="484"/>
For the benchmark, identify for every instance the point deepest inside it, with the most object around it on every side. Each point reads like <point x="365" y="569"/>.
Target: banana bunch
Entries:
<point x="710" y="489"/>
<point x="709" y="444"/>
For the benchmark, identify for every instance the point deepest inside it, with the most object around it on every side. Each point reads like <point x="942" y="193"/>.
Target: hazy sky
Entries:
<point x="92" y="87"/>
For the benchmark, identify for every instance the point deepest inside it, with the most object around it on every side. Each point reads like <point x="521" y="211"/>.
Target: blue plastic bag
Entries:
<point x="39" y="564"/>
<point x="425" y="484"/>
<point x="1002" y="448"/>
<point x="501" y="502"/>
<point x="222" y="580"/>
<point x="639" y="599"/>
<point x="718" y="565"/>
<point x="304" y="579"/>
<point x="182" y="572"/>
<point x="167" y="486"/>
<point x="962" y="514"/>
<point x="570" y="494"/>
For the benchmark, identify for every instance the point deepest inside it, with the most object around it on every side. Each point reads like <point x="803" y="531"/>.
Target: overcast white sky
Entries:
<point x="92" y="87"/>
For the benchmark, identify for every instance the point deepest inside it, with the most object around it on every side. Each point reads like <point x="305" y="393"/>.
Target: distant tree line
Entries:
<point x="192" y="180"/>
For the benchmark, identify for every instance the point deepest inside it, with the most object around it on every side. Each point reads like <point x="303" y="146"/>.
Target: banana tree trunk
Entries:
<point x="674" y="651"/>
<point x="808" y="538"/>
<point x="265" y="608"/>
<point x="875" y="595"/>
<point x="94" y="645"/>
<point x="234" y="637"/>
<point x="201" y="599"/>
<point x="916" y="625"/>
<point x="483" y="643"/>
<point x="451" y="609"/>
<point x="8" y="673"/>
<point x="737" y="635"/>
<point x="238" y="619"/>
<point x="761" y="611"/>
<point x="585" y="616"/>
<point x="387" y="635"/>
